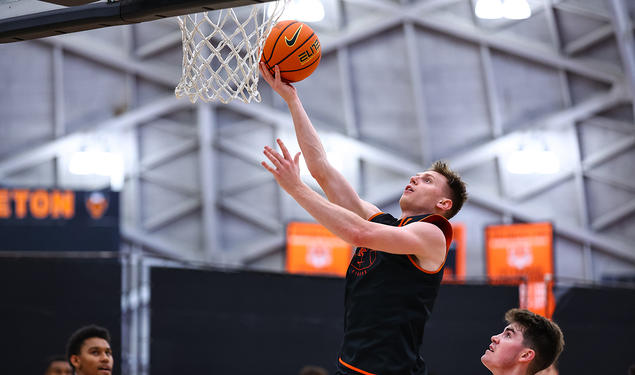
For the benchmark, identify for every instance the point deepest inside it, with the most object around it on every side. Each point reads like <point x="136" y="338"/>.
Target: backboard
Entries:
<point x="31" y="19"/>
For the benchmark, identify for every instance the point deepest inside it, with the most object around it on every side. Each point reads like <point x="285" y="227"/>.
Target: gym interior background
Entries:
<point x="190" y="254"/>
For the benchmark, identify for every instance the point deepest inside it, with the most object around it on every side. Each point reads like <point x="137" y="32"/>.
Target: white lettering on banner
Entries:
<point x="503" y="243"/>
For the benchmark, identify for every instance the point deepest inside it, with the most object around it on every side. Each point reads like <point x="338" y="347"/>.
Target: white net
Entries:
<point x="221" y="50"/>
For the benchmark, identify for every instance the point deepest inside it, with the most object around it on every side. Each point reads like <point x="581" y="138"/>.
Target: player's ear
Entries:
<point x="74" y="360"/>
<point x="527" y="355"/>
<point x="444" y="204"/>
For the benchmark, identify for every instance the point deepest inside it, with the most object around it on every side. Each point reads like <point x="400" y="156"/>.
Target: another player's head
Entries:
<point x="88" y="351"/>
<point x="438" y="190"/>
<point x="313" y="370"/>
<point x="58" y="365"/>
<point x="528" y="344"/>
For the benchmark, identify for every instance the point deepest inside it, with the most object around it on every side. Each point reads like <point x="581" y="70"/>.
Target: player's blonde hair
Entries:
<point x="457" y="189"/>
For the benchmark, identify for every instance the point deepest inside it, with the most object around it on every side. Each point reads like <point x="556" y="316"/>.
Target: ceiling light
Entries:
<point x="100" y="163"/>
<point x="495" y="9"/>
<point x="489" y="9"/>
<point x="516" y="9"/>
<point x="301" y="10"/>
<point x="533" y="161"/>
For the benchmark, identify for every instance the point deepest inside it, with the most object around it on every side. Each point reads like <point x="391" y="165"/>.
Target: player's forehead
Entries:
<point x="514" y="328"/>
<point x="434" y="174"/>
<point x="59" y="364"/>
<point x="95" y="343"/>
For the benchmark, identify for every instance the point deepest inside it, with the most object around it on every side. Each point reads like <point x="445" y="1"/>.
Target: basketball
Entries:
<point x="294" y="47"/>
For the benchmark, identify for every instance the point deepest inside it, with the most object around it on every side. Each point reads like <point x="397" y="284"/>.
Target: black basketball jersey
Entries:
<point x="388" y="300"/>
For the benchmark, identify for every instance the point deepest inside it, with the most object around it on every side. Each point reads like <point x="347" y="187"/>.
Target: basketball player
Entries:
<point x="88" y="351"/>
<point x="58" y="365"/>
<point x="394" y="276"/>
<point x="529" y="343"/>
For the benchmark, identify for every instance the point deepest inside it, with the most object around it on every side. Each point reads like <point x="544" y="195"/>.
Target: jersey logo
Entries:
<point x="291" y="42"/>
<point x="364" y="259"/>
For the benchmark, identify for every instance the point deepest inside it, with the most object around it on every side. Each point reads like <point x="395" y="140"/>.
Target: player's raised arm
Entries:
<point x="424" y="240"/>
<point x="335" y="186"/>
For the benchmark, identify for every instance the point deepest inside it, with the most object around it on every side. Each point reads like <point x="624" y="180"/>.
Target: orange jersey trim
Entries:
<point x="375" y="215"/>
<point x="355" y="368"/>
<point x="410" y="256"/>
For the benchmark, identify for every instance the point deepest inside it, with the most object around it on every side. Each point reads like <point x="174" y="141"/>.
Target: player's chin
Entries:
<point x="484" y="358"/>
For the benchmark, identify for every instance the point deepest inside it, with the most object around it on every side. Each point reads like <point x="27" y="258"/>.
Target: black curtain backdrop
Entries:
<point x="43" y="301"/>
<point x="599" y="330"/>
<point x="206" y="321"/>
<point x="248" y="322"/>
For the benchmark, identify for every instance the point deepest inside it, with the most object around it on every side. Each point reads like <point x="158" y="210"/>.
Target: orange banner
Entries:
<point x="312" y="249"/>
<point x="523" y="252"/>
<point x="454" y="271"/>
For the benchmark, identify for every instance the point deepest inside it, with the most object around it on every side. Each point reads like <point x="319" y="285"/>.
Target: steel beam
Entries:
<point x="579" y="9"/>
<point x="611" y="180"/>
<point x="169" y="153"/>
<point x="589" y="39"/>
<point x="461" y="29"/>
<point x="157" y="245"/>
<point x="555" y="120"/>
<point x="625" y="42"/>
<point x="605" y="244"/>
<point x="418" y="97"/>
<point x="519" y="47"/>
<point x="181" y="209"/>
<point x="612" y="124"/>
<point x="168" y="183"/>
<point x="206" y="118"/>
<point x="254" y="251"/>
<point x="158" y="45"/>
<point x="614" y="216"/>
<point x="36" y="155"/>
<point x="109" y="55"/>
<point x="250" y="214"/>
<point x="590" y="162"/>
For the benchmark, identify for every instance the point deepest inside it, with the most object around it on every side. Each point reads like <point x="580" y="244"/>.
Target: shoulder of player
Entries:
<point x="430" y="233"/>
<point x="423" y="226"/>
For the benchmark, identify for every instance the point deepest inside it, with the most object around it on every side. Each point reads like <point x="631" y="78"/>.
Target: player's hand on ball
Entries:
<point x="284" y="89"/>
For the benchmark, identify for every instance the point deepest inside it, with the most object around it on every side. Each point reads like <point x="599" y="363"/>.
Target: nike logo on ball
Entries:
<point x="292" y="41"/>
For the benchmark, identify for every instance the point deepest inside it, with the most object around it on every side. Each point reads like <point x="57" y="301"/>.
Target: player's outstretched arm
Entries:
<point x="424" y="240"/>
<point x="335" y="186"/>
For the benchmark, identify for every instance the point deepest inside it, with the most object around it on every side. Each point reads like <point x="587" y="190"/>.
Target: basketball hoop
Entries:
<point x="221" y="50"/>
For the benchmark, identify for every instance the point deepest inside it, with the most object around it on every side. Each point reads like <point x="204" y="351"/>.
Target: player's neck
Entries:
<point x="410" y="213"/>
<point x="510" y="371"/>
<point x="406" y="214"/>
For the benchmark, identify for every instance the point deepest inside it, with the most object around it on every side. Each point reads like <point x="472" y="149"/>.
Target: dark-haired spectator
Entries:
<point x="88" y="351"/>
<point x="313" y="370"/>
<point x="58" y="365"/>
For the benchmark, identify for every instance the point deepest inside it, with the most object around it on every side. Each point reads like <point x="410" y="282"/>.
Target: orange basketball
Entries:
<point x="294" y="47"/>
